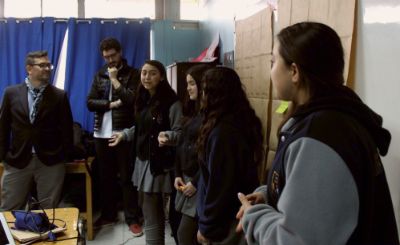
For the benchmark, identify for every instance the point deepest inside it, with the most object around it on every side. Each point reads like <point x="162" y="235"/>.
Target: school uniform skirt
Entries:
<point x="184" y="204"/>
<point x="146" y="182"/>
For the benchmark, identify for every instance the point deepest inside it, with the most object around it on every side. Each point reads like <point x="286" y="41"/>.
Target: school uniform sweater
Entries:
<point x="327" y="184"/>
<point x="187" y="161"/>
<point x="228" y="168"/>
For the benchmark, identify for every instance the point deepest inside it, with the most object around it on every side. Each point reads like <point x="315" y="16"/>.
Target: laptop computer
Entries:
<point x="5" y="233"/>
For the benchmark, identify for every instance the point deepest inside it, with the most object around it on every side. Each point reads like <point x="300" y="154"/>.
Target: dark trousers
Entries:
<point x="174" y="216"/>
<point x="187" y="232"/>
<point x="113" y="162"/>
<point x="233" y="237"/>
<point x="154" y="217"/>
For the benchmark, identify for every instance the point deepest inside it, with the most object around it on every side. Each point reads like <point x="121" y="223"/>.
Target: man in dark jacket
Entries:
<point x="112" y="99"/>
<point x="35" y="136"/>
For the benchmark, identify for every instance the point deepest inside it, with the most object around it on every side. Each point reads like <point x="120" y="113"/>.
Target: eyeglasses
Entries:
<point x="44" y="65"/>
<point x="107" y="57"/>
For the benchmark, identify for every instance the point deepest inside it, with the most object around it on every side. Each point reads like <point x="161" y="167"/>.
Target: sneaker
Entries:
<point x="136" y="230"/>
<point x="101" y="222"/>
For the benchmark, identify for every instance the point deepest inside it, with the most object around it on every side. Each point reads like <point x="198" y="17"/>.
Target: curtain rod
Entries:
<point x="102" y="21"/>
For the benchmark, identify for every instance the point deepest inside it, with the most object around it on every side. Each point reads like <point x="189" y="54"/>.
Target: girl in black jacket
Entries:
<point x="157" y="119"/>
<point x="187" y="164"/>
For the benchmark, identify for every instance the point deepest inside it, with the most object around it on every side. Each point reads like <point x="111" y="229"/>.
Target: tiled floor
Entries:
<point x="119" y="235"/>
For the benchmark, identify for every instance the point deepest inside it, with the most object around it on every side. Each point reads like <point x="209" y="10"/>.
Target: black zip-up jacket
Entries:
<point x="187" y="162"/>
<point x="98" y="98"/>
<point x="158" y="115"/>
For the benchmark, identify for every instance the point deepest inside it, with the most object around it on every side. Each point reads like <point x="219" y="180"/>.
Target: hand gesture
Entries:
<point x="163" y="139"/>
<point x="256" y="197"/>
<point x="201" y="239"/>
<point x="247" y="202"/>
<point x="112" y="74"/>
<point x="179" y="184"/>
<point x="115" y="139"/>
<point x="115" y="104"/>
<point x="189" y="190"/>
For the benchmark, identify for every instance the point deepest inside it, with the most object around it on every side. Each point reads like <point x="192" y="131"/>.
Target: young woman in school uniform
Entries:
<point x="158" y="113"/>
<point x="230" y="149"/>
<point x="187" y="164"/>
<point x="327" y="184"/>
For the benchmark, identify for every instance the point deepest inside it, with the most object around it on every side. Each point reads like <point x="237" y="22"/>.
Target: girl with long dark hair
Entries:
<point x="156" y="132"/>
<point x="230" y="149"/>
<point x="187" y="164"/>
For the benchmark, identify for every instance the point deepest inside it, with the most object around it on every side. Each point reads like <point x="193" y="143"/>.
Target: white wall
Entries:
<point x="377" y="77"/>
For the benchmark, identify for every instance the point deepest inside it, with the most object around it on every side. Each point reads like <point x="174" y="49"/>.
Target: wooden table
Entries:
<point x="79" y="167"/>
<point x="69" y="215"/>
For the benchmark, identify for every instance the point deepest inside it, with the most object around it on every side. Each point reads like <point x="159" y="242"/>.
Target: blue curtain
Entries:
<point x="52" y="38"/>
<point x="19" y="37"/>
<point x="84" y="57"/>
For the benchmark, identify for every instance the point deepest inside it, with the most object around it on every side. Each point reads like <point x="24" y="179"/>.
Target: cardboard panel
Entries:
<point x="319" y="11"/>
<point x="341" y="16"/>
<point x="338" y="14"/>
<point x="261" y="108"/>
<point x="263" y="175"/>
<point x="253" y="35"/>
<point x="300" y="11"/>
<point x="253" y="49"/>
<point x="346" y="42"/>
<point x="284" y="13"/>
<point x="255" y="73"/>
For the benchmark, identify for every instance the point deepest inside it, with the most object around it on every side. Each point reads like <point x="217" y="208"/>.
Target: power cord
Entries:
<point x="30" y="222"/>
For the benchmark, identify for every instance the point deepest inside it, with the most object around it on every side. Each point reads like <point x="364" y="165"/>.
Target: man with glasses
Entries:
<point x="112" y="98"/>
<point x="35" y="137"/>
